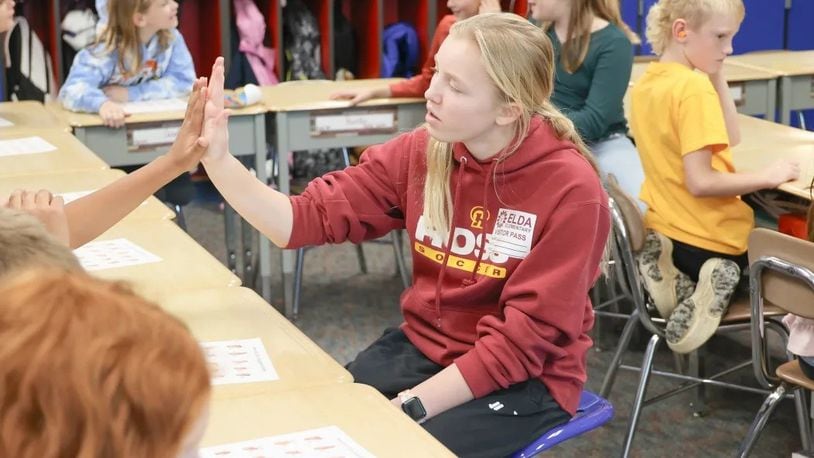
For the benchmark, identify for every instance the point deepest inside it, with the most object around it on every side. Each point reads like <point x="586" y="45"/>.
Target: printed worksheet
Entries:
<point x="25" y="145"/>
<point x="111" y="254"/>
<point x="5" y="122"/>
<point x="327" y="442"/>
<point x="155" y="106"/>
<point x="239" y="361"/>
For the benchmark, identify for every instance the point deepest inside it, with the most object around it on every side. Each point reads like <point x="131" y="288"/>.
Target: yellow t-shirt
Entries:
<point x="676" y="111"/>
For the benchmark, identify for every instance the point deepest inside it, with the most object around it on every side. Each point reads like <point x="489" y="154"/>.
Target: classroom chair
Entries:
<point x="593" y="412"/>
<point x="781" y="272"/>
<point x="629" y="235"/>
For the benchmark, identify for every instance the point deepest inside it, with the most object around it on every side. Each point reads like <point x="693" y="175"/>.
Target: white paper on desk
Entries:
<point x="5" y="122"/>
<point x="329" y="441"/>
<point x="155" y="106"/>
<point x="25" y="145"/>
<point x="111" y="254"/>
<point x="239" y="361"/>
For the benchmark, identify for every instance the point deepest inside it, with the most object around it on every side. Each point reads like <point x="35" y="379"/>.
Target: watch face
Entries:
<point x="414" y="408"/>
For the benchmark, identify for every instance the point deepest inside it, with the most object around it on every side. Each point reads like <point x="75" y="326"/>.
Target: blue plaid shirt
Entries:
<point x="163" y="75"/>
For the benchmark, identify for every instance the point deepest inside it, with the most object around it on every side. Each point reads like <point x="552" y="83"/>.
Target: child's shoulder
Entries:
<point x="679" y="79"/>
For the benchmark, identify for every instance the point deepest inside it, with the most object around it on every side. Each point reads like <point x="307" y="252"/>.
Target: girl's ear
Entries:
<point x="138" y="20"/>
<point x="509" y="113"/>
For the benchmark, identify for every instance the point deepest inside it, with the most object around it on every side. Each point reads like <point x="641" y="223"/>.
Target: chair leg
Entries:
<point x="360" y="254"/>
<point x="180" y="219"/>
<point x="697" y="370"/>
<point x="641" y="390"/>
<point x="229" y="216"/>
<point x="399" y="255"/>
<point x="803" y="420"/>
<point x="621" y="348"/>
<point x="298" y="266"/>
<point x="760" y="420"/>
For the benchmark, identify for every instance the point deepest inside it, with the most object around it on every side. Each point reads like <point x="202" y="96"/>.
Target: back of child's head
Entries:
<point x="663" y="14"/>
<point x="121" y="33"/>
<point x="89" y="369"/>
<point x="24" y="242"/>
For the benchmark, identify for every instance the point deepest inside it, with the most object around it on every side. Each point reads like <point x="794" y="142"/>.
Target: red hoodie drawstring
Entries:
<point x="448" y="246"/>
<point x="481" y="249"/>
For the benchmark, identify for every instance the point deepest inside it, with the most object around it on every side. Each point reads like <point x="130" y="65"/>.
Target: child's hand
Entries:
<point x="117" y="93"/>
<point x="355" y="96"/>
<point x="216" y="130"/>
<point x="489" y="6"/>
<point x="190" y="145"/>
<point x="782" y="171"/>
<point x="112" y="114"/>
<point x="47" y="208"/>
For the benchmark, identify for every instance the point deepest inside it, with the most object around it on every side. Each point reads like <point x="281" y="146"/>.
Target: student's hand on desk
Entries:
<point x="215" y="128"/>
<point x="489" y="6"/>
<point x="781" y="172"/>
<point x="190" y="145"/>
<point x="117" y="93"/>
<point x="47" y="208"/>
<point x="356" y="96"/>
<point x="112" y="114"/>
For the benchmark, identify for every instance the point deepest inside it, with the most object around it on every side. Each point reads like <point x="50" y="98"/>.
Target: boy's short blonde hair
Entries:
<point x="24" y="242"/>
<point x="663" y="14"/>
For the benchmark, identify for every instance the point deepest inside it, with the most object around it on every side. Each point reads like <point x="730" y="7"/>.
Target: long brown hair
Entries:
<point x="520" y="61"/>
<point x="121" y="34"/>
<point x="88" y="369"/>
<point x="578" y="34"/>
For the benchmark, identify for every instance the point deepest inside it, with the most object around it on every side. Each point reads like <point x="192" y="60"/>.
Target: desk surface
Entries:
<point x="315" y="95"/>
<point x="734" y="71"/>
<point x="358" y="410"/>
<point x="763" y="142"/>
<point x="78" y="120"/>
<point x="785" y="63"/>
<point x="70" y="155"/>
<point x="60" y="183"/>
<point x="184" y="265"/>
<point x="29" y="114"/>
<point x="239" y="313"/>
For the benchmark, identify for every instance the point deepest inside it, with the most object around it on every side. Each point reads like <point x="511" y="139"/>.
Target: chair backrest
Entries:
<point x="781" y="271"/>
<point x="629" y="237"/>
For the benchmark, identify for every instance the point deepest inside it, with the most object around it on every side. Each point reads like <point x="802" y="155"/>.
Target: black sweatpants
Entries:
<point x="689" y="259"/>
<point x="493" y="426"/>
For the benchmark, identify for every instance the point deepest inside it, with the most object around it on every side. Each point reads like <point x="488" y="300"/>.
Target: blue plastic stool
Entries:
<point x="593" y="412"/>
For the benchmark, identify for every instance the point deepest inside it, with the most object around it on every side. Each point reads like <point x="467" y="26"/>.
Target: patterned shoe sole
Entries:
<point x="696" y="319"/>
<point x="660" y="275"/>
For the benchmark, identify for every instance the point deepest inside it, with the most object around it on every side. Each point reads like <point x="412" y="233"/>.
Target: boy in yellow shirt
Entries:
<point x="684" y="122"/>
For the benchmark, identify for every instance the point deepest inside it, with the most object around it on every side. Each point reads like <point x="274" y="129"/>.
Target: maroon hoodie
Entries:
<point x="519" y="308"/>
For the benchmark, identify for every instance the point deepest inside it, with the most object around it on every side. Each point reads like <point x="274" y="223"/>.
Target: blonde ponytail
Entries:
<point x="437" y="195"/>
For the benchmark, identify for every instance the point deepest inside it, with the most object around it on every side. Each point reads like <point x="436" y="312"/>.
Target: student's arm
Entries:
<point x="728" y="106"/>
<point x="176" y="80"/>
<point x="95" y="213"/>
<point x="352" y="204"/>
<point x="82" y="91"/>
<point x="704" y="181"/>
<point x="608" y="86"/>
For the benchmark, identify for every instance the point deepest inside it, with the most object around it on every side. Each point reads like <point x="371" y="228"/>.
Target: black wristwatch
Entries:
<point x="412" y="406"/>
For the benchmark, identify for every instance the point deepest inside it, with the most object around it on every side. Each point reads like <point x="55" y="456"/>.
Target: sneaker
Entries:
<point x="695" y="319"/>
<point x="666" y="285"/>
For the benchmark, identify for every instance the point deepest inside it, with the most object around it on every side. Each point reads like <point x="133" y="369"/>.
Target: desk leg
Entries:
<point x="229" y="216"/>
<point x="284" y="186"/>
<point x="771" y="101"/>
<point x="785" y="100"/>
<point x="260" y="169"/>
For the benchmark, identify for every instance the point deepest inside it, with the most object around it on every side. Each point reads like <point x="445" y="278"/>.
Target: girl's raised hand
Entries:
<point x="190" y="145"/>
<point x="216" y="129"/>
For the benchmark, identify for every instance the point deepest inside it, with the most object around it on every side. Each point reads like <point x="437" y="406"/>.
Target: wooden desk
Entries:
<point x="358" y="410"/>
<point x="754" y="90"/>
<point x="70" y="155"/>
<point x="239" y="313"/>
<point x="763" y="142"/>
<point x="247" y="141"/>
<point x="296" y="107"/>
<point x="60" y="183"/>
<point x="184" y="264"/>
<point x="796" y="72"/>
<point x="29" y="114"/>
